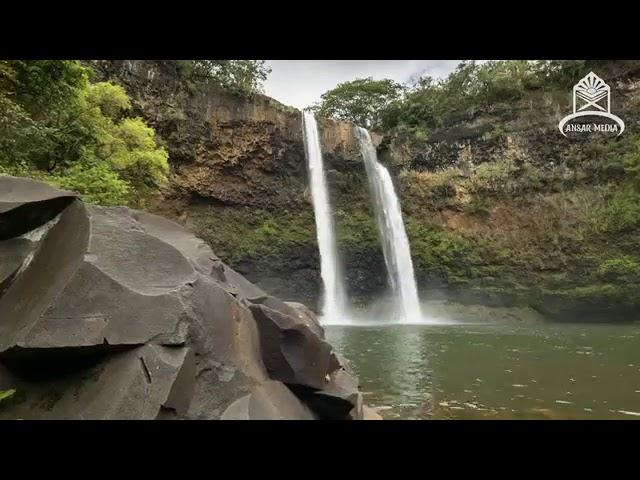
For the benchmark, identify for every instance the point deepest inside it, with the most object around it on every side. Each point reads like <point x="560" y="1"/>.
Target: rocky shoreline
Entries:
<point x="112" y="313"/>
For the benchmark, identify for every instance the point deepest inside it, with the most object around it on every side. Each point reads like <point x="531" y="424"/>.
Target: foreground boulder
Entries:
<point x="110" y="313"/>
<point x="292" y="353"/>
<point x="270" y="401"/>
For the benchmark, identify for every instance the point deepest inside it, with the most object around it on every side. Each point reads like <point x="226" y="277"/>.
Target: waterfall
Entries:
<point x="395" y="244"/>
<point x="334" y="298"/>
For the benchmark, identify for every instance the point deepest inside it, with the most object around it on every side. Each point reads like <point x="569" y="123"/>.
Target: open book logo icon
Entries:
<point x="592" y="97"/>
<point x="591" y="90"/>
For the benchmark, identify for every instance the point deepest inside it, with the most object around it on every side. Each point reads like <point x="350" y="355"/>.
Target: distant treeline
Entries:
<point x="427" y="103"/>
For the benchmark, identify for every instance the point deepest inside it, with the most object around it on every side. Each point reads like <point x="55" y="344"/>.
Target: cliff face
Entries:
<point x="225" y="148"/>
<point x="500" y="208"/>
<point x="239" y="177"/>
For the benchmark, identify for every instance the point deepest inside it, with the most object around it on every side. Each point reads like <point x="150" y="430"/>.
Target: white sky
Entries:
<point x="299" y="83"/>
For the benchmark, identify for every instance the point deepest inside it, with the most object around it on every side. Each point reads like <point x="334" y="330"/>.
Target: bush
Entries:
<point x="479" y="207"/>
<point x="356" y="228"/>
<point x="495" y="177"/>
<point x="621" y="212"/>
<point x="422" y="186"/>
<point x="112" y="100"/>
<point x="430" y="104"/>
<point x="95" y="183"/>
<point x="271" y="235"/>
<point x="56" y="126"/>
<point x="619" y="266"/>
<point x="240" y="77"/>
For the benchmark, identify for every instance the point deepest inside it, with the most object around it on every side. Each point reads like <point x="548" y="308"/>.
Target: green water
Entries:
<point x="495" y="372"/>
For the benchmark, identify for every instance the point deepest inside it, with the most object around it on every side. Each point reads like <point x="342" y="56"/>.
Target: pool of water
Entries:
<point x="495" y="371"/>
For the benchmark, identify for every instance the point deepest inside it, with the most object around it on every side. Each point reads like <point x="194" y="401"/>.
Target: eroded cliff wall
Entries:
<point x="500" y="208"/>
<point x="239" y="175"/>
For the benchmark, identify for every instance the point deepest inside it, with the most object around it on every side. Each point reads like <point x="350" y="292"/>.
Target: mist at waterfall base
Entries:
<point x="403" y="305"/>
<point x="382" y="311"/>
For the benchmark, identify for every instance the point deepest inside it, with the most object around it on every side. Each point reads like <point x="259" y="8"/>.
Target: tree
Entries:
<point x="430" y="103"/>
<point x="112" y="100"/>
<point x="242" y="77"/>
<point x="361" y="101"/>
<point x="57" y="126"/>
<point x="41" y="107"/>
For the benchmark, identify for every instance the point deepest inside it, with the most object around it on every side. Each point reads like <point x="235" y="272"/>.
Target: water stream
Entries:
<point x="395" y="244"/>
<point x="334" y="298"/>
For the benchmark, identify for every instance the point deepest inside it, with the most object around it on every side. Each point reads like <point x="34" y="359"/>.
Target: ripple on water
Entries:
<point x="399" y="366"/>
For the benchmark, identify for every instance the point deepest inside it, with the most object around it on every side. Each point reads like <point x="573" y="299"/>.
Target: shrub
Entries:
<point x="494" y="177"/>
<point x="619" y="266"/>
<point x="621" y="212"/>
<point x="56" y="126"/>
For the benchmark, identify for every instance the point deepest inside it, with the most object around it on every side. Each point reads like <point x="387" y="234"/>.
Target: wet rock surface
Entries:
<point x="111" y="313"/>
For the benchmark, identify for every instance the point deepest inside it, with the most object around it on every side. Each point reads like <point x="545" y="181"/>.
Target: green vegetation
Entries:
<point x="439" y="253"/>
<point x="361" y="101"/>
<point x="356" y="228"/>
<point x="59" y="127"/>
<point x="606" y="293"/>
<point x="428" y="103"/>
<point x="621" y="212"/>
<point x="619" y="266"/>
<point x="56" y="126"/>
<point x="276" y="233"/>
<point x="6" y="394"/>
<point x="253" y="233"/>
<point x="242" y="77"/>
<point x="479" y="207"/>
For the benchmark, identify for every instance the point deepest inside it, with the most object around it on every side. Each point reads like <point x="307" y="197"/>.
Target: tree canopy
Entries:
<point x="361" y="101"/>
<point x="243" y="77"/>
<point x="57" y="126"/>
<point x="429" y="103"/>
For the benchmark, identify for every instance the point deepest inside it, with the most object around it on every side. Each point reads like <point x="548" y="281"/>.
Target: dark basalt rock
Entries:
<point x="293" y="309"/>
<point x="13" y="253"/>
<point x="338" y="400"/>
<point x="306" y="316"/>
<point x="127" y="385"/>
<point x="270" y="401"/>
<point x="292" y="353"/>
<point x="26" y="204"/>
<point x="110" y="313"/>
<point x="241" y="287"/>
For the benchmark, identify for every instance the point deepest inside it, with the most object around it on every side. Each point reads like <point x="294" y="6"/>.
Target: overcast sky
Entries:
<point x="299" y="83"/>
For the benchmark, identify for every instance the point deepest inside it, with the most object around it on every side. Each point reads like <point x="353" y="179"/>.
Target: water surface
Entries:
<point x="495" y="371"/>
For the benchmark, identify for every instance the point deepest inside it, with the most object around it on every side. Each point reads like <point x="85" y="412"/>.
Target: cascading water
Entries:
<point x="395" y="244"/>
<point x="334" y="299"/>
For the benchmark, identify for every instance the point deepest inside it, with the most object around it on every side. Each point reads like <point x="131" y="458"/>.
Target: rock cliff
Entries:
<point x="500" y="209"/>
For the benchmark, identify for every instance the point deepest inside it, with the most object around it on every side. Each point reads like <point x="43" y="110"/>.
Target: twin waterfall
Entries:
<point x="395" y="244"/>
<point x="334" y="300"/>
